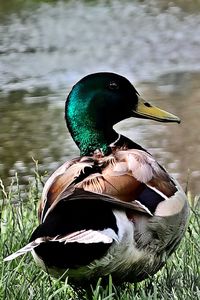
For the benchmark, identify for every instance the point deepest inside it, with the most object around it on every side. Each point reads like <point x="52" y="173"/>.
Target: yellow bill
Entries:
<point x="147" y="111"/>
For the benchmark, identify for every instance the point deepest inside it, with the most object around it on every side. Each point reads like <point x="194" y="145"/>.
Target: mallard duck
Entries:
<point x="114" y="209"/>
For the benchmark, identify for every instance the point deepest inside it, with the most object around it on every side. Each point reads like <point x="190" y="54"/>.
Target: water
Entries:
<point x="46" y="47"/>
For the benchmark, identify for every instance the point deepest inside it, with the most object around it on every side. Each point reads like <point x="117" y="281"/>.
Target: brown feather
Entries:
<point x="122" y="175"/>
<point x="165" y="187"/>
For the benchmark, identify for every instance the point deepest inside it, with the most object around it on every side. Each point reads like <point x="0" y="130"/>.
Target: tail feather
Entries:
<point x="82" y="237"/>
<point x="29" y="247"/>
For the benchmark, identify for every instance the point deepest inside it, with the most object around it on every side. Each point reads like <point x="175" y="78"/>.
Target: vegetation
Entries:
<point x="21" y="279"/>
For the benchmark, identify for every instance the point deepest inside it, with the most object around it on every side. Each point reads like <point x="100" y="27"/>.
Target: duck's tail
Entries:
<point x="82" y="237"/>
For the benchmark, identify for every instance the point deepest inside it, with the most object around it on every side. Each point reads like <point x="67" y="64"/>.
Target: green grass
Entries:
<point x="21" y="279"/>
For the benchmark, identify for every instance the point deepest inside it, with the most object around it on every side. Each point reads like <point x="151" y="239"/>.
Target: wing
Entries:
<point x="94" y="175"/>
<point x="131" y="178"/>
<point x="134" y="177"/>
<point x="61" y="180"/>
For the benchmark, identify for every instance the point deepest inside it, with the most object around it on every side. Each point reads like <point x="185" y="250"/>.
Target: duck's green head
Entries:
<point x="99" y="101"/>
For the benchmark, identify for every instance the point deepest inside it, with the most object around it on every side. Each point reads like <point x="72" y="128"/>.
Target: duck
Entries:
<point x="113" y="210"/>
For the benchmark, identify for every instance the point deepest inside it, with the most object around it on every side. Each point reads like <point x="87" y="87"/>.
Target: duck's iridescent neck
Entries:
<point x="89" y="132"/>
<point x="89" y="140"/>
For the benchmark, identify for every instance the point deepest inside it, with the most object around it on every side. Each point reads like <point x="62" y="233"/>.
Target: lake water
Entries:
<point x="46" y="47"/>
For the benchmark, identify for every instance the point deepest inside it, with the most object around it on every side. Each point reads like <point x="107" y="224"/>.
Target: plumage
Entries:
<point x="114" y="209"/>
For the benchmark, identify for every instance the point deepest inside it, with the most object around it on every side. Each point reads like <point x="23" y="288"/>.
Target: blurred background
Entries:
<point x="46" y="46"/>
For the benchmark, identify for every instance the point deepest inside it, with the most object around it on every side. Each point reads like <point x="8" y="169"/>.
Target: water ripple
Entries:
<point x="55" y="44"/>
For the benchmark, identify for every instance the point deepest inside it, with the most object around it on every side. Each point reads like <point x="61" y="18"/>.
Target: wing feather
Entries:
<point x="122" y="176"/>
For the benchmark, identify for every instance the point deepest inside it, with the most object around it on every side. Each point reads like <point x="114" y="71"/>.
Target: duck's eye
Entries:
<point x="113" y="85"/>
